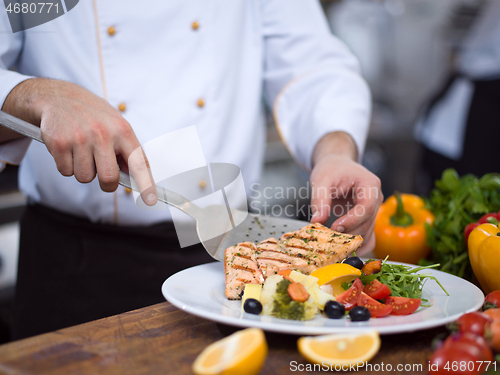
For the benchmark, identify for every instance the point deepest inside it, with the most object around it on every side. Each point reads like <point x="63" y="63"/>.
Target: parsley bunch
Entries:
<point x="457" y="201"/>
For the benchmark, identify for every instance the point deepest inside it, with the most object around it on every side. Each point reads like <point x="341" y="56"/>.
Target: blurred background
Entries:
<point x="406" y="49"/>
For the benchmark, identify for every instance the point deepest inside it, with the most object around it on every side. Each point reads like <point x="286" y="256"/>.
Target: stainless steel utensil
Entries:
<point x="254" y="228"/>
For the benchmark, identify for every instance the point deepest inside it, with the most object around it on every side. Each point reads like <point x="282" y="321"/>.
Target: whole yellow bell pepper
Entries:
<point x="400" y="229"/>
<point x="484" y="256"/>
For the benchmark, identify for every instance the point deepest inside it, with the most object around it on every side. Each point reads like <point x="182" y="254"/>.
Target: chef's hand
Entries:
<point x="345" y="188"/>
<point x="83" y="132"/>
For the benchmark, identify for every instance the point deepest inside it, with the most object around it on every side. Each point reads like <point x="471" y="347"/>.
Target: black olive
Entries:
<point x="334" y="310"/>
<point x="359" y="314"/>
<point x="355" y="262"/>
<point x="252" y="306"/>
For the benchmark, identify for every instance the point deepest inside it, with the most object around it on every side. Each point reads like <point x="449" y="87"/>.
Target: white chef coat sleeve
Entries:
<point x="10" y="48"/>
<point x="311" y="79"/>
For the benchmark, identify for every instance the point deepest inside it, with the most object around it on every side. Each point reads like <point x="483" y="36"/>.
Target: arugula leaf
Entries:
<point x="403" y="281"/>
<point x="457" y="201"/>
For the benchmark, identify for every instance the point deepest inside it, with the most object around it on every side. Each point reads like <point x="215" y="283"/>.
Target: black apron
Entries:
<point x="72" y="271"/>
<point x="481" y="141"/>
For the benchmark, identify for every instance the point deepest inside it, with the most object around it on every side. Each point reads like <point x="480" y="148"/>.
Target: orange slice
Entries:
<point x="331" y="277"/>
<point x="242" y="353"/>
<point x="353" y="349"/>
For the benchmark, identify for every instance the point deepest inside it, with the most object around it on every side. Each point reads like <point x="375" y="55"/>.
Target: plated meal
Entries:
<point x="310" y="271"/>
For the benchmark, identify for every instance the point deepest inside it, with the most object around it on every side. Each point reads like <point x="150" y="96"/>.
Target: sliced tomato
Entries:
<point x="377" y="290"/>
<point x="376" y="309"/>
<point x="351" y="296"/>
<point x="403" y="305"/>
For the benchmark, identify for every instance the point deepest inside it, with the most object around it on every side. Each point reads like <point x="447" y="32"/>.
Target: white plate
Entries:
<point x="200" y="291"/>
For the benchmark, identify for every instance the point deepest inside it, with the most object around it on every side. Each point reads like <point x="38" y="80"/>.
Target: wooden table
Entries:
<point x="162" y="339"/>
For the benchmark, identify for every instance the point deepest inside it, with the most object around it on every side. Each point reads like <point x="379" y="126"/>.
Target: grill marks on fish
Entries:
<point x="304" y="250"/>
<point x="324" y="245"/>
<point x="268" y="262"/>
<point x="273" y="256"/>
<point x="240" y="267"/>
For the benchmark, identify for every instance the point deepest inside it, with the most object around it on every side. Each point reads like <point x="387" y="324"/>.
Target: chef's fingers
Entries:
<point x="354" y="221"/>
<point x="138" y="166"/>
<point x="122" y="164"/>
<point x="83" y="163"/>
<point x="107" y="168"/>
<point x="61" y="151"/>
<point x="64" y="160"/>
<point x="366" y="230"/>
<point x="321" y="200"/>
<point x="367" y="201"/>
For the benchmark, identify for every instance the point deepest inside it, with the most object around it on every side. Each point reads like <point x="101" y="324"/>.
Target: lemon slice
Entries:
<point x="353" y="349"/>
<point x="242" y="353"/>
<point x="331" y="277"/>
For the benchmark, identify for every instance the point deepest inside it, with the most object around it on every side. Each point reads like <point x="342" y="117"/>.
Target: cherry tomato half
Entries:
<point x="377" y="290"/>
<point x="376" y="309"/>
<point x="350" y="297"/>
<point x="403" y="305"/>
<point x="474" y="322"/>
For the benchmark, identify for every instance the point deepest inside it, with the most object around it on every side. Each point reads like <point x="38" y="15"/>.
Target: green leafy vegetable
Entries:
<point x="403" y="281"/>
<point x="457" y="201"/>
<point x="285" y="308"/>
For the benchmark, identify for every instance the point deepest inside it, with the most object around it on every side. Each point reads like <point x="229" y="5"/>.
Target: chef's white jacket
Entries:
<point x="443" y="129"/>
<point x="168" y="65"/>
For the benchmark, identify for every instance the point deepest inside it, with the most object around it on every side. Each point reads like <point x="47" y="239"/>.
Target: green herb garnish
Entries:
<point x="403" y="281"/>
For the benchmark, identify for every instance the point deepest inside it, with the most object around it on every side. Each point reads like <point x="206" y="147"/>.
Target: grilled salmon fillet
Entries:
<point x="324" y="245"/>
<point x="240" y="267"/>
<point x="274" y="256"/>
<point x="304" y="250"/>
